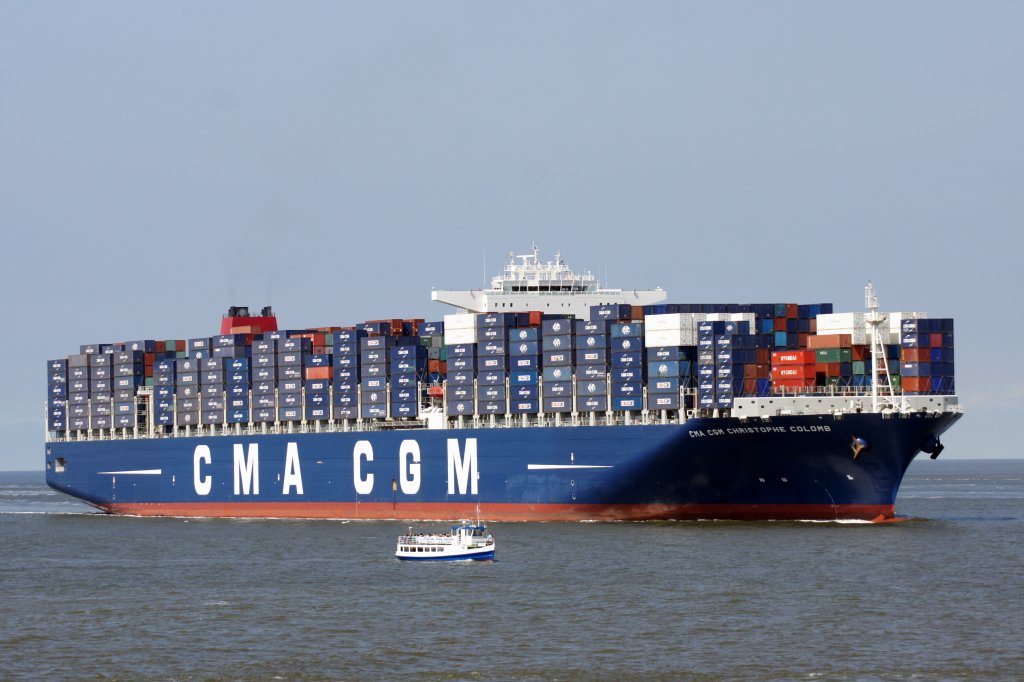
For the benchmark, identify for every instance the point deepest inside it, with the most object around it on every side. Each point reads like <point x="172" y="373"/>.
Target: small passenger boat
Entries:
<point x="465" y="541"/>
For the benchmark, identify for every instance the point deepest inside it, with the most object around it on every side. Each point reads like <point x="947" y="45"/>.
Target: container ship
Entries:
<point x="544" y="397"/>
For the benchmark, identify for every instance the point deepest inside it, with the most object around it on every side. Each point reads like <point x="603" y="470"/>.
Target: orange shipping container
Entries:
<point x="829" y="341"/>
<point x="917" y="384"/>
<point x="318" y="372"/>
<point x="794" y="357"/>
<point x="433" y="366"/>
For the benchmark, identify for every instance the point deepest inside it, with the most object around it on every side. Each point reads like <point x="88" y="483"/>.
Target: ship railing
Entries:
<point x="433" y="538"/>
<point x="569" y="419"/>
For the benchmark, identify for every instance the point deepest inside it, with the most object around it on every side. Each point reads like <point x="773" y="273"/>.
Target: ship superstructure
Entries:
<point x="528" y="283"/>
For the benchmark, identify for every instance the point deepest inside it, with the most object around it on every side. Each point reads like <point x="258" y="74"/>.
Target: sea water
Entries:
<point x="84" y="595"/>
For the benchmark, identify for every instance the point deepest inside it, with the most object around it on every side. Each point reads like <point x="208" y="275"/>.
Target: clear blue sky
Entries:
<point x="161" y="161"/>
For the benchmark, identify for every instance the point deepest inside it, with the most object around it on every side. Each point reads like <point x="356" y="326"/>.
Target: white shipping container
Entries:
<point x="460" y="321"/>
<point x="670" y="321"/>
<point x="844" y="323"/>
<point x="453" y="336"/>
<point x="660" y="322"/>
<point x="670" y="337"/>
<point x="840" y="321"/>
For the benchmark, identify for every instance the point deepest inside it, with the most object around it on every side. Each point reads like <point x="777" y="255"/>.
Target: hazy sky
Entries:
<point x="162" y="161"/>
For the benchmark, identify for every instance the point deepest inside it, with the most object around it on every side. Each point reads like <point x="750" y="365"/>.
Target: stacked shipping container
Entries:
<point x="623" y="359"/>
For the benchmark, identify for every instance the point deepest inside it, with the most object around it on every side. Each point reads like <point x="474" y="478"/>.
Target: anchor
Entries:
<point x="858" y="445"/>
<point x="933" y="446"/>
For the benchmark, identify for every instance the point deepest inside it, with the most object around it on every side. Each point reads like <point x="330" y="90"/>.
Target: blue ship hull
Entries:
<point x="486" y="555"/>
<point x="791" y="467"/>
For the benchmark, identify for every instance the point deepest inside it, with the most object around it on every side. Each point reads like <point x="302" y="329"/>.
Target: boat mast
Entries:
<point x="879" y="358"/>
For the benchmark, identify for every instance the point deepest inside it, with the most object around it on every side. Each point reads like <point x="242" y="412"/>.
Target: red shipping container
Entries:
<point x="794" y="357"/>
<point x="791" y="383"/>
<point x="148" y="359"/>
<point x="792" y="311"/>
<point x="636" y="314"/>
<point x="779" y="324"/>
<point x="750" y="386"/>
<point x="443" y="369"/>
<point x="813" y="326"/>
<point x="917" y="384"/>
<point x="433" y="366"/>
<point x="829" y="341"/>
<point x="860" y="353"/>
<point x="915" y="354"/>
<point x="160" y="346"/>
<point x="536" y="317"/>
<point x="762" y="355"/>
<point x="762" y="371"/>
<point x="830" y="369"/>
<point x="793" y="372"/>
<point x="935" y="340"/>
<point x="318" y="373"/>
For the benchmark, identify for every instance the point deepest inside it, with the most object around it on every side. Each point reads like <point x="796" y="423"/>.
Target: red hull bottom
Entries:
<point x="513" y="512"/>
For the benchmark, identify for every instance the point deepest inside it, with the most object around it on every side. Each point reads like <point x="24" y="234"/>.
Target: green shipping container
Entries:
<point x="834" y="355"/>
<point x="858" y="367"/>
